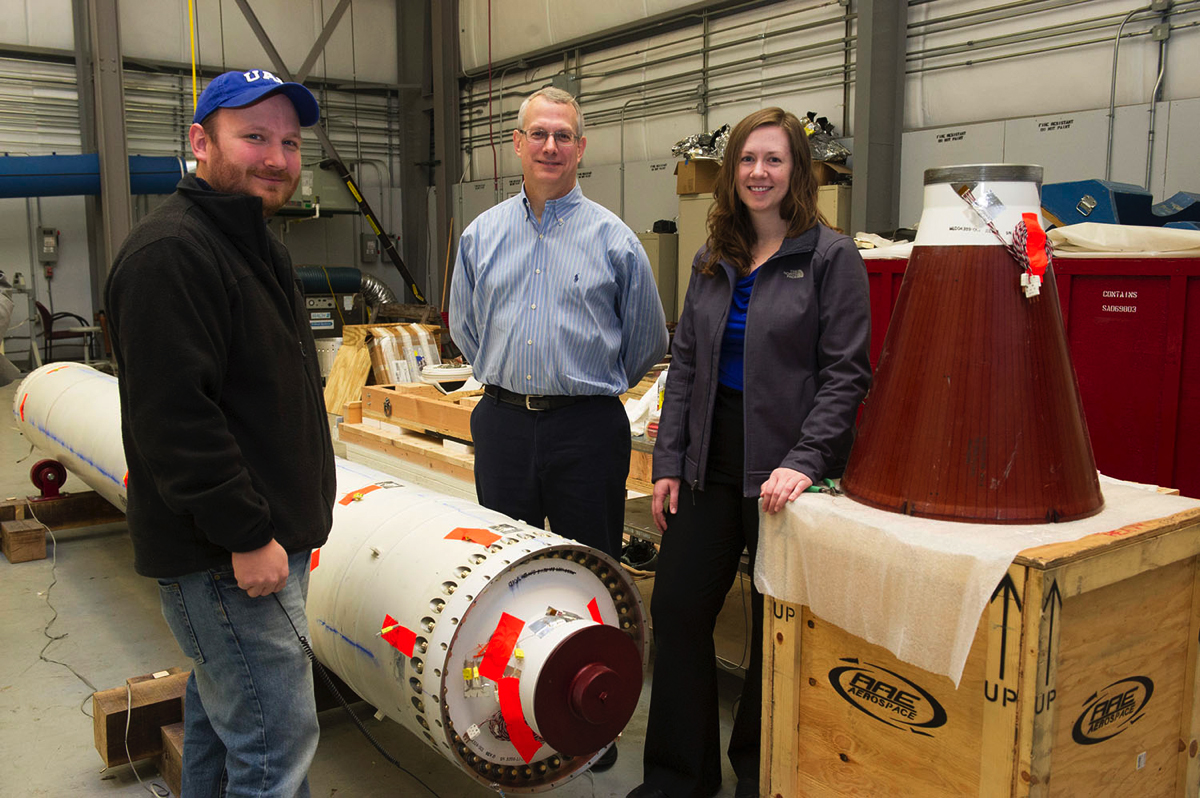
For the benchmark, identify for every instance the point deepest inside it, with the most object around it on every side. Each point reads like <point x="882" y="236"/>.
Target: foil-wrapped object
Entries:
<point x="703" y="145"/>
<point x="820" y="139"/>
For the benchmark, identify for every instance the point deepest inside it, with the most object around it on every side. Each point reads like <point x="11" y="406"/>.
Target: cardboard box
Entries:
<point x="695" y="176"/>
<point x="834" y="203"/>
<point x="828" y="173"/>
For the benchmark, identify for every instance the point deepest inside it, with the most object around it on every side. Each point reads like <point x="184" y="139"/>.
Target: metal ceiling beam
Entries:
<point x="319" y="46"/>
<point x="281" y="69"/>
<point x="636" y="30"/>
<point x="105" y="131"/>
<point x="413" y="143"/>
<point x="84" y="80"/>
<point x="878" y="114"/>
<point x="447" y="148"/>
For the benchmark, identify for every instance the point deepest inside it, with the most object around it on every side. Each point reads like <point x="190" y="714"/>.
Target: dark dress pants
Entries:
<point x="568" y="464"/>
<point x="697" y="564"/>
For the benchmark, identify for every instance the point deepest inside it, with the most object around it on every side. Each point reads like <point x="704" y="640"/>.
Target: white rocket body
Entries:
<point x="514" y="652"/>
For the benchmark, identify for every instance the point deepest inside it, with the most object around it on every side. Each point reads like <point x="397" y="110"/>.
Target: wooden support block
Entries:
<point x="352" y="412"/>
<point x="23" y="540"/>
<point x="81" y="508"/>
<point x="170" y="761"/>
<point x="156" y="701"/>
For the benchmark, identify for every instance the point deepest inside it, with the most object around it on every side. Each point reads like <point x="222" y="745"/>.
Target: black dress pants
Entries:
<point x="568" y="464"/>
<point x="697" y="564"/>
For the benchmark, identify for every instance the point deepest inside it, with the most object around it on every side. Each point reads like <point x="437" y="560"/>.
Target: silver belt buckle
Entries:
<point x="529" y="407"/>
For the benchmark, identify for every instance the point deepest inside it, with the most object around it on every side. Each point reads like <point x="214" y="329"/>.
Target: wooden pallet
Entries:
<point x="411" y="447"/>
<point x="422" y="408"/>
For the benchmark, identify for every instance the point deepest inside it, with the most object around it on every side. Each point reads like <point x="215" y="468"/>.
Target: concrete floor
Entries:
<point x="109" y="627"/>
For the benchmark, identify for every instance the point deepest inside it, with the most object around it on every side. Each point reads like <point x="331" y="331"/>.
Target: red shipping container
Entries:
<point x="1133" y="326"/>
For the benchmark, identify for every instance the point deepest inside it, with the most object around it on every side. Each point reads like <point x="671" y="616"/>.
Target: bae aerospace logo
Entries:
<point x="887" y="696"/>
<point x="1113" y="710"/>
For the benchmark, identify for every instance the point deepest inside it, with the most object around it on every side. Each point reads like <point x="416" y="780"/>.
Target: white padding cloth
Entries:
<point x="1095" y="237"/>
<point x="915" y="586"/>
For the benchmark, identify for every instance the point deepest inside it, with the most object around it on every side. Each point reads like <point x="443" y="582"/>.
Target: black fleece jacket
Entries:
<point x="222" y="417"/>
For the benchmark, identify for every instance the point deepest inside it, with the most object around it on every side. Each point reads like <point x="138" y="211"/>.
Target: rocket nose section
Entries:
<point x="587" y="689"/>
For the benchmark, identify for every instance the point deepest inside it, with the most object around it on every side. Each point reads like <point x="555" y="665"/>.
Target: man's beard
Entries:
<point x="230" y="179"/>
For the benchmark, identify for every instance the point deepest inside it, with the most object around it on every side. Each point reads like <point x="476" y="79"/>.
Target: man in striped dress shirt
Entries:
<point x="554" y="304"/>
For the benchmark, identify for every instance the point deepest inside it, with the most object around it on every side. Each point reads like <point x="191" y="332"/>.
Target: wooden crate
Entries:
<point x="420" y="407"/>
<point x="1081" y="681"/>
<point x="170" y="761"/>
<point x="157" y="701"/>
<point x="23" y="540"/>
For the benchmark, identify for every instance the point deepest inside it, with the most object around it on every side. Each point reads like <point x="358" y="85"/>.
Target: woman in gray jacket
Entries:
<point x="768" y="367"/>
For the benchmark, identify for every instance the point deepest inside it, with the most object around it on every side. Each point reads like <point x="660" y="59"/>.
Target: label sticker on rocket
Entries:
<point x="481" y="536"/>
<point x="519" y="732"/>
<point x="887" y="696"/>
<point x="397" y="636"/>
<point x="358" y="495"/>
<point x="594" y="610"/>
<point x="500" y="647"/>
<point x="1112" y="710"/>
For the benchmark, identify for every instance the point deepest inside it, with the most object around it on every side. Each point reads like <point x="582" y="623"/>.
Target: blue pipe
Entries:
<point x="71" y="175"/>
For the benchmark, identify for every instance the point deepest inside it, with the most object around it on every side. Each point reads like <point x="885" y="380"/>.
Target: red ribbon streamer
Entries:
<point x="500" y="647"/>
<point x="400" y="638"/>
<point x="484" y="537"/>
<point x="514" y="719"/>
<point x="316" y="560"/>
<point x="1035" y="244"/>
<point x="594" y="609"/>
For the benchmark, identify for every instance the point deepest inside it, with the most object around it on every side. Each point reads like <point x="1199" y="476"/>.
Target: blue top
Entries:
<point x="563" y="307"/>
<point x="733" y="344"/>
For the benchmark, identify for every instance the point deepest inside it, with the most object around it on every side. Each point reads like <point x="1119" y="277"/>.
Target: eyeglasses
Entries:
<point x="539" y="137"/>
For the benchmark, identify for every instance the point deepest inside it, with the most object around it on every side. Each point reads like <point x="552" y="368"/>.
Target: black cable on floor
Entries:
<point x="329" y="683"/>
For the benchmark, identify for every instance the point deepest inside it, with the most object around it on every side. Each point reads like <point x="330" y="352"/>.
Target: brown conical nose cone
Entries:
<point x="974" y="414"/>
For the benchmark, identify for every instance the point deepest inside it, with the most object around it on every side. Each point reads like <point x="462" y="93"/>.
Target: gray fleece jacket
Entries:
<point x="808" y="329"/>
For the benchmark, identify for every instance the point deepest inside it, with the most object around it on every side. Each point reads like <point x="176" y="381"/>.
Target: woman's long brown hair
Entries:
<point x="731" y="234"/>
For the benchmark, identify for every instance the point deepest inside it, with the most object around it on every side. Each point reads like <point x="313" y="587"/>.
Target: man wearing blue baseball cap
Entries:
<point x="231" y="470"/>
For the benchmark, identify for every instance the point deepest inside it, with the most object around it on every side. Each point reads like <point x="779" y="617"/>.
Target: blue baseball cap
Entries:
<point x="239" y="89"/>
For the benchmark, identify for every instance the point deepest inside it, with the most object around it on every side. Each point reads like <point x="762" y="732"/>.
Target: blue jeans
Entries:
<point x="250" y="720"/>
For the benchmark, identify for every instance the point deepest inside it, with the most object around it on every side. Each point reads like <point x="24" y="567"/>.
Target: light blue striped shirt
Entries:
<point x="564" y="307"/>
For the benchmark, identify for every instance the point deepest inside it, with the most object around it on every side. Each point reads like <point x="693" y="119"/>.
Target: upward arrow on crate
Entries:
<point x="1009" y="589"/>
<point x="1053" y="598"/>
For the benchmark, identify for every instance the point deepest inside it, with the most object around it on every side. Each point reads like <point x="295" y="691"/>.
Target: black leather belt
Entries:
<point x="531" y="402"/>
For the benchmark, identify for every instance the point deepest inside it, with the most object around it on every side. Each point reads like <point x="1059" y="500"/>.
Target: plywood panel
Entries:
<point x="1121" y="674"/>
<point x="871" y="725"/>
